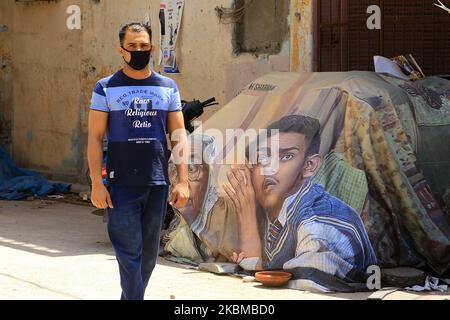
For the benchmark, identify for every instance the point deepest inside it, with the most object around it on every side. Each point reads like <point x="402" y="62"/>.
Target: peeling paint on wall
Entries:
<point x="46" y="87"/>
<point x="6" y="82"/>
<point x="302" y="41"/>
<point x="262" y="27"/>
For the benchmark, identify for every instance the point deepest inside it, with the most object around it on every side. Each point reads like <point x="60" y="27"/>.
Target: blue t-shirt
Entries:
<point x="137" y="145"/>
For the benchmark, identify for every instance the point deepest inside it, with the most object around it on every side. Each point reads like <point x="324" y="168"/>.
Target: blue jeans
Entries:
<point x="134" y="227"/>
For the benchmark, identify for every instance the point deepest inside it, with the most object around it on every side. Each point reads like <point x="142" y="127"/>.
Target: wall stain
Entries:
<point x="30" y="136"/>
<point x="70" y="163"/>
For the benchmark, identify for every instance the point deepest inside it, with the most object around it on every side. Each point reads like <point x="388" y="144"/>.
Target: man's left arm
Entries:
<point x="178" y="140"/>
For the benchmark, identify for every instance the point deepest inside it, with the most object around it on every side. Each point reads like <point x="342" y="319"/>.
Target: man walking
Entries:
<point x="135" y="107"/>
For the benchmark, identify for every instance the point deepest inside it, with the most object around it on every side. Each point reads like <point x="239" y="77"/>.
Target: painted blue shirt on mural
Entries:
<point x="137" y="145"/>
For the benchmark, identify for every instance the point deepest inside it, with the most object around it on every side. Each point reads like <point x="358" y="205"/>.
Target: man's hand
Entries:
<point x="180" y="195"/>
<point x="100" y="197"/>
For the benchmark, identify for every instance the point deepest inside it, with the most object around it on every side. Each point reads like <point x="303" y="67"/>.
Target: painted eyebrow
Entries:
<point x="281" y="149"/>
<point x="289" y="149"/>
<point x="134" y="43"/>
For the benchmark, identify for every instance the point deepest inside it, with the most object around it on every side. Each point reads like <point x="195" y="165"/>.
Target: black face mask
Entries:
<point x="139" y="59"/>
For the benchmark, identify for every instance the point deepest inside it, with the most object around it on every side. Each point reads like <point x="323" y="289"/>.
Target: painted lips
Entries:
<point x="269" y="183"/>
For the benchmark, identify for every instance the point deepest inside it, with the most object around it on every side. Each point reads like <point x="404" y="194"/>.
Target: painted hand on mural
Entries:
<point x="239" y="190"/>
<point x="237" y="258"/>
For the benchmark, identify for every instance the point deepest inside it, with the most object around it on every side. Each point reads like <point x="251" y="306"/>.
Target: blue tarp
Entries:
<point x="17" y="183"/>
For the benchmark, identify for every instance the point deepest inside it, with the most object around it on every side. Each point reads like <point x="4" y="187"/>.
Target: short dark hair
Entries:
<point x="134" y="27"/>
<point x="305" y="125"/>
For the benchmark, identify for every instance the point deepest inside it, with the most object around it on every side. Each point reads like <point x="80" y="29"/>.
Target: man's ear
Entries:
<point x="312" y="165"/>
<point x="123" y="53"/>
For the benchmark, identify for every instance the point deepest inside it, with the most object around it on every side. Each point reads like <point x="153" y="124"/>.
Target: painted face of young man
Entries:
<point x="273" y="186"/>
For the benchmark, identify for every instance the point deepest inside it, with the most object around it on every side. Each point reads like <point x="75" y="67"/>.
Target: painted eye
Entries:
<point x="287" y="157"/>
<point x="194" y="172"/>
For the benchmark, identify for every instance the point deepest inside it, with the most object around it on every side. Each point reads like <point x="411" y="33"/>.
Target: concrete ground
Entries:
<point x="52" y="250"/>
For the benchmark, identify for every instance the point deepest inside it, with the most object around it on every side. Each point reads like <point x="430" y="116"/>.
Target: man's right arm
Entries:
<point x="98" y="122"/>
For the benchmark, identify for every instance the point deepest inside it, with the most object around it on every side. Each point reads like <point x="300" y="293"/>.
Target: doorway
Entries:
<point x="415" y="26"/>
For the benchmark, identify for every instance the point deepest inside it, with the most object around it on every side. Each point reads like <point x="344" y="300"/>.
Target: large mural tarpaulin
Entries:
<point x="319" y="174"/>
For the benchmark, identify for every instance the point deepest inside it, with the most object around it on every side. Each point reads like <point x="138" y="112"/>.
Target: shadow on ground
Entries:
<point x="52" y="228"/>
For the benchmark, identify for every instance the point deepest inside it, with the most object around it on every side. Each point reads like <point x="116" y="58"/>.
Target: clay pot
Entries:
<point x="273" y="278"/>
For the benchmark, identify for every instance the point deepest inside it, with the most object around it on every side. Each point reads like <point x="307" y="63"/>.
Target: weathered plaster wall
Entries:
<point x="264" y="27"/>
<point x="302" y="35"/>
<point x="205" y="50"/>
<point x="6" y="72"/>
<point x="46" y="127"/>
<point x="55" y="70"/>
